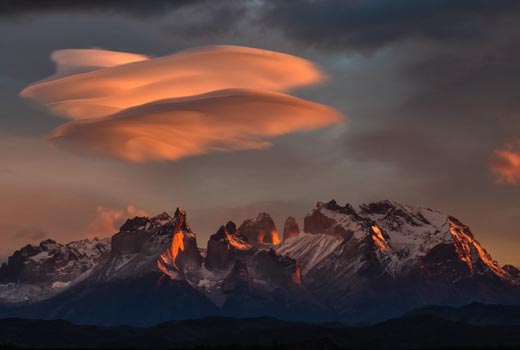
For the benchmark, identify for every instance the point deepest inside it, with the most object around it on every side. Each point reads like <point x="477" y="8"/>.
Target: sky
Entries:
<point x="252" y="106"/>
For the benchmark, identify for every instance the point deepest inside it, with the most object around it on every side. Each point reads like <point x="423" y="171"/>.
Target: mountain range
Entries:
<point x="355" y="264"/>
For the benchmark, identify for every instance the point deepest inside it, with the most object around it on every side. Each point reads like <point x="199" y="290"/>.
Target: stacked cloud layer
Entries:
<point x="212" y="99"/>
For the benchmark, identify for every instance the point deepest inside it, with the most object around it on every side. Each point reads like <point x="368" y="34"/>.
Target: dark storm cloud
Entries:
<point x="459" y="59"/>
<point x="367" y="25"/>
<point x="131" y="7"/>
<point x="465" y="104"/>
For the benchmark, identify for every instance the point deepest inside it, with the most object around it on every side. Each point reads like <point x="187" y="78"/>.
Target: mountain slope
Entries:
<point x="383" y="258"/>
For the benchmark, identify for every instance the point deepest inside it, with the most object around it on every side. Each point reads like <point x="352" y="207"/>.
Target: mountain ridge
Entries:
<point x="352" y="263"/>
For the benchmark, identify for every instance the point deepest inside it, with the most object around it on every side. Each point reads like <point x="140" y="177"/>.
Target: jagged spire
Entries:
<point x="260" y="231"/>
<point x="290" y="228"/>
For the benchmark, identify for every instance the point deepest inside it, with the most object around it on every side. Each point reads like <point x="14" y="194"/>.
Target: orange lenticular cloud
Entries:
<point x="97" y="83"/>
<point x="74" y="61"/>
<point x="198" y="101"/>
<point x="506" y="164"/>
<point x="220" y="121"/>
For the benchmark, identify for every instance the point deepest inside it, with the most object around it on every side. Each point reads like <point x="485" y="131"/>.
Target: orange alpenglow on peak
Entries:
<point x="182" y="255"/>
<point x="465" y="245"/>
<point x="260" y="231"/>
<point x="379" y="239"/>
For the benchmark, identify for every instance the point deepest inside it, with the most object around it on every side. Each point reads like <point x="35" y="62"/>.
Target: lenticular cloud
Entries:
<point x="225" y="120"/>
<point x="212" y="99"/>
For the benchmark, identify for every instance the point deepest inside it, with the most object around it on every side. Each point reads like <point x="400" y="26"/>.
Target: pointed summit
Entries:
<point x="290" y="228"/>
<point x="260" y="231"/>
<point x="183" y="257"/>
<point x="225" y="246"/>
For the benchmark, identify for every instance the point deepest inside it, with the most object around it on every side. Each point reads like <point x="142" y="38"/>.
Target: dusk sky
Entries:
<point x="230" y="108"/>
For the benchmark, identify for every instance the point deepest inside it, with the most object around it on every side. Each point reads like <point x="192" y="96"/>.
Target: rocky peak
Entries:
<point x="326" y="217"/>
<point x="394" y="211"/>
<point x="181" y="220"/>
<point x="382" y="207"/>
<point x="135" y="232"/>
<point x="182" y="258"/>
<point x="290" y="228"/>
<point x="260" y="231"/>
<point x="225" y="246"/>
<point x="317" y="222"/>
<point x="160" y="219"/>
<point x="131" y="236"/>
<point x="334" y="206"/>
<point x="138" y="223"/>
<point x="231" y="228"/>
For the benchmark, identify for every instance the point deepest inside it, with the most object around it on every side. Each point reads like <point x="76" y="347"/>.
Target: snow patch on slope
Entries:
<point x="309" y="249"/>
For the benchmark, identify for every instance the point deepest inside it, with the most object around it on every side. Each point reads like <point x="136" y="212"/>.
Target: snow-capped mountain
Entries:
<point x="161" y="243"/>
<point x="38" y="272"/>
<point x="384" y="257"/>
<point x="350" y="263"/>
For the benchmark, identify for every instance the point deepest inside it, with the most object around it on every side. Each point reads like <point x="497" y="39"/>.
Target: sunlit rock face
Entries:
<point x="260" y="231"/>
<point x="168" y="240"/>
<point x="182" y="258"/>
<point x="225" y="247"/>
<point x="159" y="244"/>
<point x="290" y="228"/>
